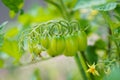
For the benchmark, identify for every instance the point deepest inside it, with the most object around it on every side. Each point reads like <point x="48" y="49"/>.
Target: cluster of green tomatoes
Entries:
<point x="56" y="38"/>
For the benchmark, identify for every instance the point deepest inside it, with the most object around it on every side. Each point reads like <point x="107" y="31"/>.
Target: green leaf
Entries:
<point x="12" y="14"/>
<point x="100" y="44"/>
<point x="36" y="75"/>
<point x="1" y="33"/>
<point x="11" y="33"/>
<point x="114" y="75"/>
<point x="1" y="40"/>
<point x="88" y="3"/>
<point x="25" y="19"/>
<point x="3" y="24"/>
<point x="117" y="17"/>
<point x="91" y="55"/>
<point x="85" y="23"/>
<point x="11" y="48"/>
<point x="115" y="25"/>
<point x="1" y="63"/>
<point x="14" y="5"/>
<point x="106" y="6"/>
<point x="117" y="9"/>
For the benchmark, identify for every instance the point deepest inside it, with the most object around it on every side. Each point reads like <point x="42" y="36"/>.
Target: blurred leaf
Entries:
<point x="100" y="44"/>
<point x="1" y="33"/>
<point x="14" y="5"/>
<point x="25" y="19"/>
<point x="114" y="75"/>
<point x="1" y="40"/>
<point x="117" y="17"/>
<point x="106" y="6"/>
<point x="70" y="3"/>
<point x="41" y="14"/>
<point x="117" y="30"/>
<point x="11" y="33"/>
<point x="11" y="48"/>
<point x="1" y="63"/>
<point x="115" y="25"/>
<point x="38" y="14"/>
<point x="3" y="24"/>
<point x="85" y="24"/>
<point x="12" y="14"/>
<point x="36" y="75"/>
<point x="21" y="12"/>
<point x="91" y="55"/>
<point x="117" y="9"/>
<point x="88" y="3"/>
<point x="116" y="36"/>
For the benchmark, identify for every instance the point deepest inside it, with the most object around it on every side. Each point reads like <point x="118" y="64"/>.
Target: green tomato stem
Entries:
<point x="109" y="22"/>
<point x="84" y="63"/>
<point x="110" y="29"/>
<point x="80" y="61"/>
<point x="57" y="6"/>
<point x="65" y="11"/>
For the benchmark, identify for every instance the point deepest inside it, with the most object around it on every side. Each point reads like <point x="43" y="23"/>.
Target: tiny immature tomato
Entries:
<point x="45" y="42"/>
<point x="75" y="39"/>
<point x="71" y="46"/>
<point x="82" y="41"/>
<point x="57" y="45"/>
<point x="37" y="49"/>
<point x="51" y="52"/>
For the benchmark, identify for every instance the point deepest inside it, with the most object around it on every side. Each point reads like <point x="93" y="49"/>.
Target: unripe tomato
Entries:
<point x="45" y="42"/>
<point x="75" y="39"/>
<point x="57" y="46"/>
<point x="82" y="41"/>
<point x="51" y="52"/>
<point x="37" y="49"/>
<point x="71" y="46"/>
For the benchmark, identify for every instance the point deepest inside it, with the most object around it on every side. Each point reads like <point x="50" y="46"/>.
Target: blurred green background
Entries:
<point x="18" y="65"/>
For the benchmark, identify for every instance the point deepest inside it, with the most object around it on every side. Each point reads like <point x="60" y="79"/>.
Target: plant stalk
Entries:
<point x="80" y="66"/>
<point x="110" y="31"/>
<point x="57" y="6"/>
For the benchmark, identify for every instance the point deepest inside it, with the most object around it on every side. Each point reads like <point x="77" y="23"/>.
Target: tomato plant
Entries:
<point x="88" y="31"/>
<point x="70" y="50"/>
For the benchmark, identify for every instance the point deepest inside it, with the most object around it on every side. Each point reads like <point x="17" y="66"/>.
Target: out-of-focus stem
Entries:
<point x="109" y="22"/>
<point x="81" y="62"/>
<point x="64" y="8"/>
<point x="84" y="63"/>
<point x="57" y="6"/>
<point x="110" y="31"/>
<point x="109" y="41"/>
<point x="80" y="66"/>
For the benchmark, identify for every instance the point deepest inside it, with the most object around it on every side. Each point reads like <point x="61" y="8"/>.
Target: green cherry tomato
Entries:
<point x="71" y="46"/>
<point x="82" y="41"/>
<point x="45" y="42"/>
<point x="51" y="52"/>
<point x="75" y="39"/>
<point x="37" y="49"/>
<point x="57" y="46"/>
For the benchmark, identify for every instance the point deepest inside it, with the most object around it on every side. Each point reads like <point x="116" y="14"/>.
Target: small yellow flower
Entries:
<point x="92" y="69"/>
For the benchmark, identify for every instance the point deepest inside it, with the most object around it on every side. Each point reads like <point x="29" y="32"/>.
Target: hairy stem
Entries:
<point x="109" y="41"/>
<point x="57" y="6"/>
<point x="81" y="62"/>
<point x="80" y="66"/>
<point x="64" y="8"/>
<point x="110" y="31"/>
<point x="109" y="22"/>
